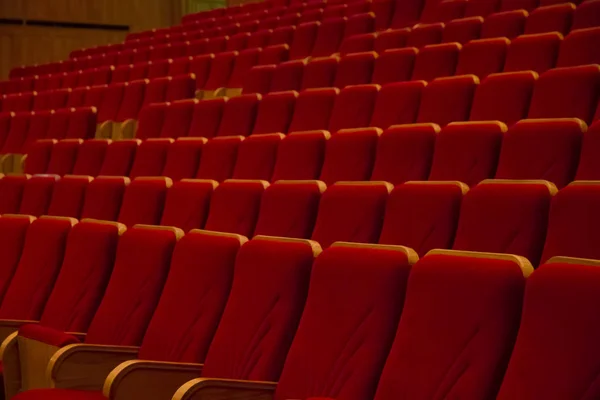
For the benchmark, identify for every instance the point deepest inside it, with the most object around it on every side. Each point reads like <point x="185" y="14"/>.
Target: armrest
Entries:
<point x="130" y="379"/>
<point x="124" y="130"/>
<point x="221" y="389"/>
<point x="86" y="366"/>
<point x="11" y="366"/>
<point x="104" y="130"/>
<point x="9" y="326"/>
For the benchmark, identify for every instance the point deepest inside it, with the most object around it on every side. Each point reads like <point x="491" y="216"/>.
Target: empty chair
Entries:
<point x="527" y="5"/>
<point x="503" y="97"/>
<point x="557" y="303"/>
<point x="588" y="162"/>
<point x="355" y="69"/>
<point x="13" y="230"/>
<point x="571" y="225"/>
<point x="391" y="39"/>
<point x="509" y="24"/>
<point x="288" y="76"/>
<point x="221" y="68"/>
<point x="505" y="217"/>
<point x="144" y="201"/>
<point x="313" y="109"/>
<point x="482" y="57"/>
<point x="275" y="112"/>
<point x="119" y="157"/>
<point x="218" y="158"/>
<point x="38" y="156"/>
<point x="150" y="158"/>
<point x="351" y="212"/>
<point x="423" y="215"/>
<point x="579" y="48"/>
<point x="467" y="152"/>
<point x="103" y="198"/>
<point x="36" y="195"/>
<point x="435" y="61"/>
<point x="239" y="114"/>
<point x="300" y="156"/>
<point x="397" y="103"/>
<point x="353" y="107"/>
<point x="320" y="72"/>
<point x="586" y="15"/>
<point x="200" y="67"/>
<point x="259" y="38"/>
<point x="256" y="157"/>
<point x="447" y="100"/>
<point x="206" y="118"/>
<point x="297" y="218"/>
<point x="274" y="54"/>
<point x="64" y="155"/>
<point x="68" y="196"/>
<point x="462" y="30"/>
<point x="556" y="144"/>
<point x="358" y="44"/>
<point x="245" y="60"/>
<point x="234" y="206"/>
<point x="359" y="24"/>
<point x="394" y="65"/>
<point x="578" y="88"/>
<point x="533" y="52"/>
<point x="304" y="40"/>
<point x="444" y="11"/>
<point x="90" y="157"/>
<point x="258" y="79"/>
<point x="329" y="37"/>
<point x="183" y="158"/>
<point x="445" y="286"/>
<point x="186" y="206"/>
<point x="12" y="188"/>
<point x="423" y="35"/>
<point x="177" y="119"/>
<point x="350" y="155"/>
<point x="552" y="18"/>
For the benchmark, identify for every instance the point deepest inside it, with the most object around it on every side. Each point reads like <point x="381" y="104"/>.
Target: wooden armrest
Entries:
<point x="222" y="389"/>
<point x="9" y="326"/>
<point x="125" y="130"/>
<point x="130" y="379"/>
<point x="104" y="130"/>
<point x="11" y="367"/>
<point x="86" y="366"/>
<point x="78" y="335"/>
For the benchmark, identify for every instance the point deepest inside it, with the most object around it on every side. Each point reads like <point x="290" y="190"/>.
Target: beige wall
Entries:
<point x="34" y="45"/>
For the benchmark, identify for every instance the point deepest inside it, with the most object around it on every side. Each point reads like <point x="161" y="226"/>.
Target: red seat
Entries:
<point x="275" y="112"/>
<point x="68" y="196"/>
<point x="391" y="39"/>
<point x="447" y="99"/>
<point x="482" y="57"/>
<point x="320" y="72"/>
<point x="300" y="156"/>
<point x="256" y="157"/>
<point x="183" y="158"/>
<point x="144" y="201"/>
<point x="462" y="30"/>
<point x="509" y="24"/>
<point x="239" y="114"/>
<point x="313" y="109"/>
<point x="423" y="35"/>
<point x="397" y="103"/>
<point x="119" y="157"/>
<point x="304" y="40"/>
<point x="329" y="37"/>
<point x="587" y="15"/>
<point x="435" y="61"/>
<point x="186" y="206"/>
<point x="533" y="52"/>
<point x="394" y="65"/>
<point x="206" y="118"/>
<point x="37" y="193"/>
<point x="353" y="107"/>
<point x="579" y="48"/>
<point x="218" y="158"/>
<point x="552" y="18"/>
<point x="103" y="198"/>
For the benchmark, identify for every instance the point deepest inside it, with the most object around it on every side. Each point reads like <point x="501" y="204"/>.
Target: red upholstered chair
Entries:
<point x="275" y="112"/>
<point x="353" y="107"/>
<point x="509" y="24"/>
<point x="435" y="61"/>
<point x="143" y="201"/>
<point x="397" y="103"/>
<point x="556" y="144"/>
<point x="256" y="157"/>
<point x="38" y="156"/>
<point x="289" y="209"/>
<point x="200" y="66"/>
<point x="18" y="132"/>
<point x="13" y="231"/>
<point x="422" y="35"/>
<point x="314" y="15"/>
<point x="76" y="295"/>
<point x="119" y="157"/>
<point x="239" y="114"/>
<point x="125" y="121"/>
<point x="37" y="193"/>
<point x="12" y="188"/>
<point x="90" y="157"/>
<point x="445" y="287"/>
<point x="578" y="48"/>
<point x="183" y="158"/>
<point x="187" y="203"/>
<point x="350" y="155"/>
<point x="245" y="60"/>
<point x="503" y="97"/>
<point x="103" y="198"/>
<point x="234" y="206"/>
<point x="448" y="99"/>
<point x="359" y="24"/>
<point x="218" y="158"/>
<point x="320" y="72"/>
<point x="18" y="102"/>
<point x="503" y="216"/>
<point x="588" y="162"/>
<point x="300" y="156"/>
<point x="287" y="264"/>
<point x="467" y="152"/>
<point x="444" y="11"/>
<point x="258" y="79"/>
<point x="274" y="54"/>
<point x="206" y="118"/>
<point x="259" y="38"/>
<point x="551" y="18"/>
<point x="180" y="66"/>
<point x="329" y="37"/>
<point x="313" y="109"/>
<point x="356" y="281"/>
<point x="404" y="153"/>
<point x="533" y="52"/>
<point x="586" y="15"/>
<point x="463" y="30"/>
<point x="394" y="65"/>
<point x="178" y="118"/>
<point x="482" y="57"/>
<point x="355" y="69"/>
<point x="287" y="76"/>
<point x="571" y="226"/>
<point x="423" y="215"/>
<point x="351" y="211"/>
<point x="358" y="43"/>
<point x="391" y="39"/>
<point x="481" y="8"/>
<point x="150" y="158"/>
<point x="126" y="309"/>
<point x="221" y="68"/>
<point x="68" y="196"/>
<point x="558" y="301"/>
<point x="64" y="154"/>
<point x="304" y="40"/>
